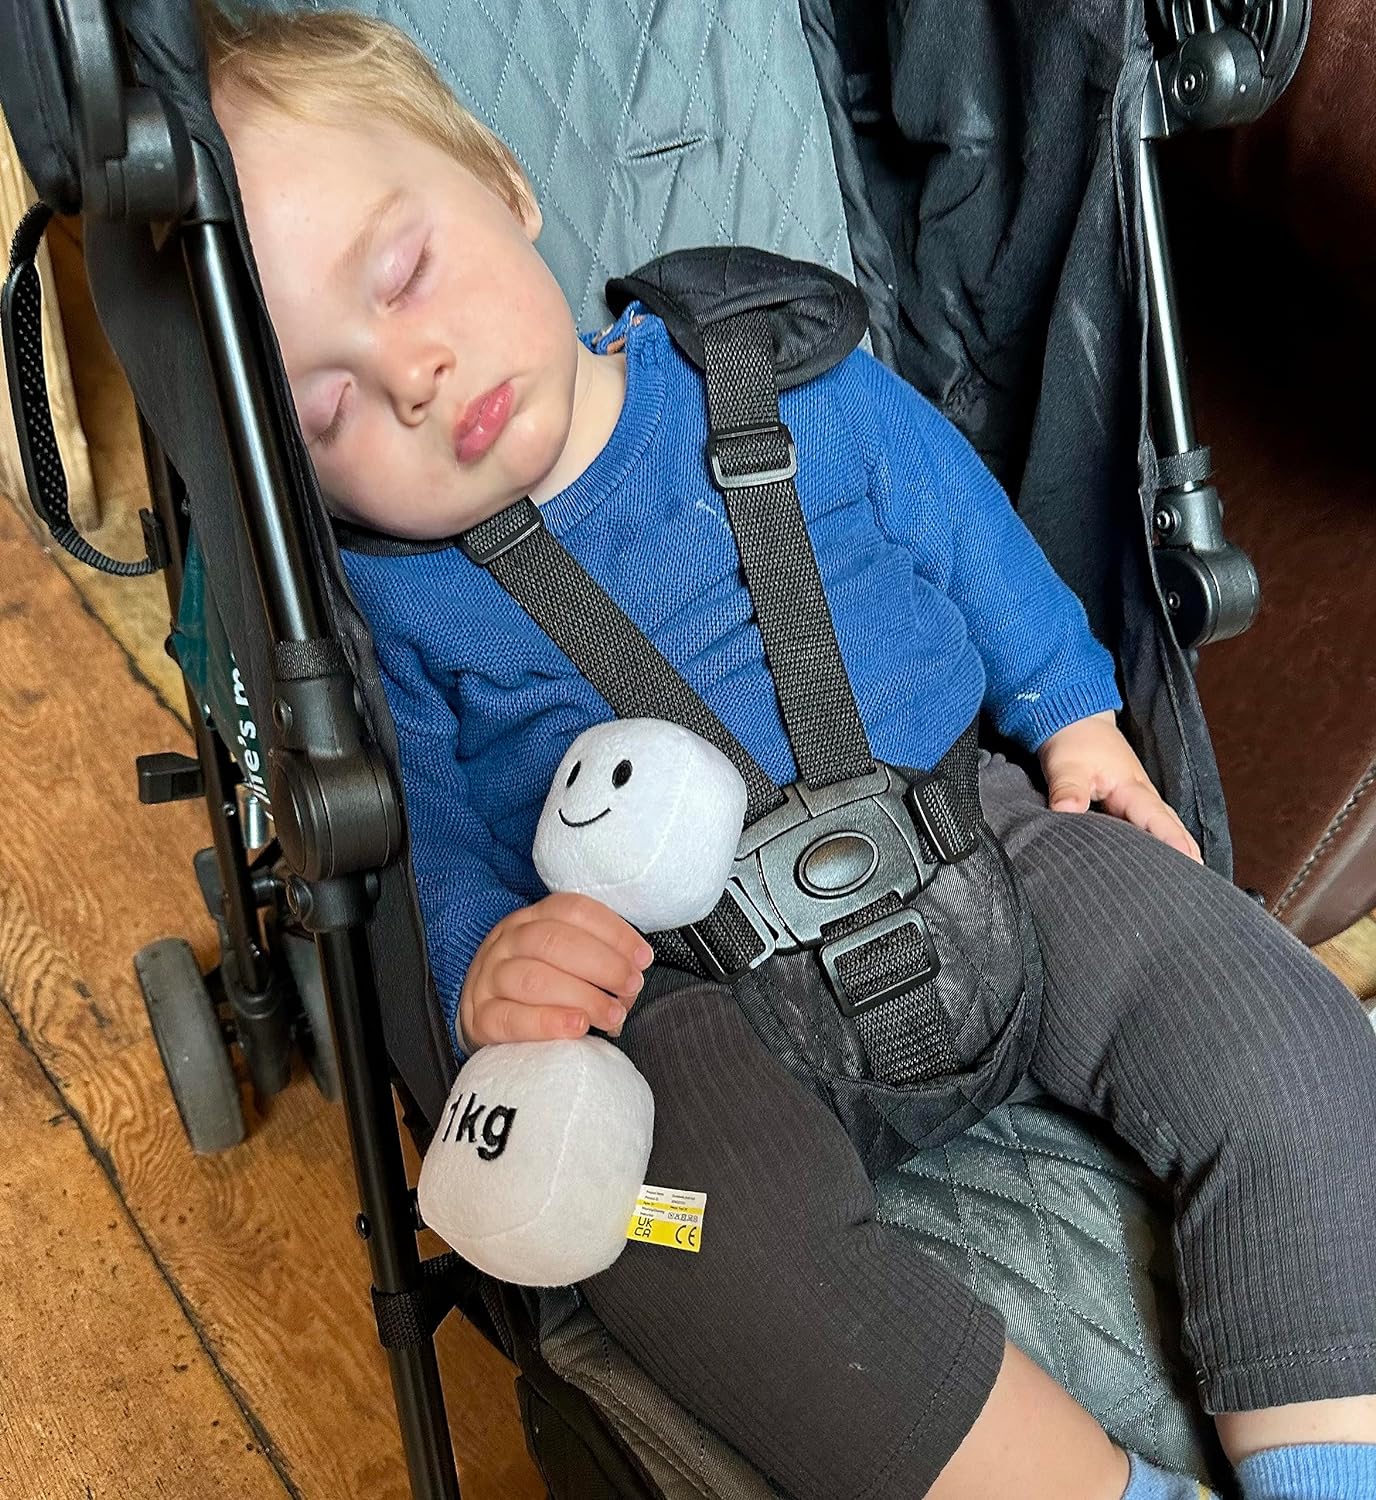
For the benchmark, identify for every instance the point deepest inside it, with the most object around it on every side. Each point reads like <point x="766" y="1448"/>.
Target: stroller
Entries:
<point x="1027" y="293"/>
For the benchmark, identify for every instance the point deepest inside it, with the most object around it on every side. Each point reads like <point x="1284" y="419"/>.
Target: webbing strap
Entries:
<point x="1194" y="466"/>
<point x="412" y="1317"/>
<point x="21" y="330"/>
<point x="753" y="460"/>
<point x="599" y="638"/>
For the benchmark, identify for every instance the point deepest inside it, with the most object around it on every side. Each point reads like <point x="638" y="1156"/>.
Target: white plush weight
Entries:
<point x="645" y="816"/>
<point x="543" y="1146"/>
<point x="538" y="1159"/>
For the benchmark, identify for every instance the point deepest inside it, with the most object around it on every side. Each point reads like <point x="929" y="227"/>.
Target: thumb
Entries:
<point x="1068" y="793"/>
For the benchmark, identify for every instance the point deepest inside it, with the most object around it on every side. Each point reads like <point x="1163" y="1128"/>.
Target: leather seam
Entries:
<point x="1330" y="833"/>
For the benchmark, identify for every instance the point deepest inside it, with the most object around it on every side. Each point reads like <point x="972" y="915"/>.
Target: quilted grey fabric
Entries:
<point x="646" y="127"/>
<point x="1055" y="1225"/>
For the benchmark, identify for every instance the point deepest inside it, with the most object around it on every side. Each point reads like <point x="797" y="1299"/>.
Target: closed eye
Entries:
<point x="331" y="433"/>
<point x="414" y="279"/>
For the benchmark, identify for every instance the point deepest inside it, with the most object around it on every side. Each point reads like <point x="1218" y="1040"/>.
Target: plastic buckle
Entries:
<point x="941" y="839"/>
<point x="869" y="934"/>
<point x="725" y="481"/>
<point x="703" y="951"/>
<point x="526" y="518"/>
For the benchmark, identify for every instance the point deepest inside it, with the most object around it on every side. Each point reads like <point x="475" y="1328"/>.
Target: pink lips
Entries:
<point x="481" y="423"/>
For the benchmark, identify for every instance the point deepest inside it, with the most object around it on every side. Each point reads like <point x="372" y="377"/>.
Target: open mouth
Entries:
<point x="568" y="823"/>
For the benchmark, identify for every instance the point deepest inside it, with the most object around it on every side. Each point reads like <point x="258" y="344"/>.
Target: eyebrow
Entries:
<point x="363" y="241"/>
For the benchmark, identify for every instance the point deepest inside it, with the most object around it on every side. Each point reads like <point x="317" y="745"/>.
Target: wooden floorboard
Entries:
<point x="254" y="1249"/>
<point x="105" y="1387"/>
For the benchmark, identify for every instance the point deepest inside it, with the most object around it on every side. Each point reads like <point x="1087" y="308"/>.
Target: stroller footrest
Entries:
<point x="169" y="776"/>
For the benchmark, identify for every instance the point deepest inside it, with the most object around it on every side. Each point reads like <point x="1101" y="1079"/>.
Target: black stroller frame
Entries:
<point x="326" y="769"/>
<point x="335" y="805"/>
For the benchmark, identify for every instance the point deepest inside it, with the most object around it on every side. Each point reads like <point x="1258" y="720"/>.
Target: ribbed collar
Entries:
<point x="646" y="346"/>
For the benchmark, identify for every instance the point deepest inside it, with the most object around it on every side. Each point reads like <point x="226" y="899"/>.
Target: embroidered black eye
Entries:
<point x="622" y="774"/>
<point x="573" y="774"/>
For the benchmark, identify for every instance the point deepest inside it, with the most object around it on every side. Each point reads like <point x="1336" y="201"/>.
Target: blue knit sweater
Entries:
<point x="940" y="598"/>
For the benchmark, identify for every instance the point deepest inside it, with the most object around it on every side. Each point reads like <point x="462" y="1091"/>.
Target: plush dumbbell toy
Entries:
<point x="542" y="1147"/>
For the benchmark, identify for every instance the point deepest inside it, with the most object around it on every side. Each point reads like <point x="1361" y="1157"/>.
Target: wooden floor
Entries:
<point x="170" y="1325"/>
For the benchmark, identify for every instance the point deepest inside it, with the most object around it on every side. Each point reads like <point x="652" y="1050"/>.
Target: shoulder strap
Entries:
<point x="752" y="459"/>
<point x="599" y="638"/>
<point x="756" y="323"/>
<point x="753" y="322"/>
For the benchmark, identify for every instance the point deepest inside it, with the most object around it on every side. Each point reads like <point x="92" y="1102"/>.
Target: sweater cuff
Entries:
<point x="1032" y="718"/>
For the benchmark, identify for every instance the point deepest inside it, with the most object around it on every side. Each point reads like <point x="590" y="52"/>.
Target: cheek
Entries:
<point x="373" y="470"/>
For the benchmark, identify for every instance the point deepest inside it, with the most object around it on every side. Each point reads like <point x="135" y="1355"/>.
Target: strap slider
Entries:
<point x="706" y="954"/>
<point x="725" y="474"/>
<point x="881" y="982"/>
<point x="488" y="540"/>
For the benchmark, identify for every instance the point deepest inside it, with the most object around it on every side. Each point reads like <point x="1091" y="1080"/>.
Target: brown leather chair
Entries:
<point x="1273" y="229"/>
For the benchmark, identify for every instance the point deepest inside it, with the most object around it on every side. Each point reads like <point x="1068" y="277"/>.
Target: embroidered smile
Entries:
<point x="569" y="824"/>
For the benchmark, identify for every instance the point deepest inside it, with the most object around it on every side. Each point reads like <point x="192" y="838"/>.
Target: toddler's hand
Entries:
<point x="1090" y="761"/>
<point x="551" y="970"/>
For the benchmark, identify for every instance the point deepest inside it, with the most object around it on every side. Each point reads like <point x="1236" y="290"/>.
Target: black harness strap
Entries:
<point x="752" y="459"/>
<point x="871" y="952"/>
<point x="411" y="1317"/>
<point x="598" y="637"/>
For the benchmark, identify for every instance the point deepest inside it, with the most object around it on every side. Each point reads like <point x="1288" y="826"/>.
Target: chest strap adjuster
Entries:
<point x="742" y="457"/>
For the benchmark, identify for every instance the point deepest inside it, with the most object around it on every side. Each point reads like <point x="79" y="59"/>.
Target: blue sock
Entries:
<point x="1147" y="1482"/>
<point x="1310" y="1471"/>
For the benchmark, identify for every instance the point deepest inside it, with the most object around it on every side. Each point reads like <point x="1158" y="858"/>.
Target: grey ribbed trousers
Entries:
<point x="841" y="1360"/>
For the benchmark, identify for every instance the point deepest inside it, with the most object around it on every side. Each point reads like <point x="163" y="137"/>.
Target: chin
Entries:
<point x="534" y="453"/>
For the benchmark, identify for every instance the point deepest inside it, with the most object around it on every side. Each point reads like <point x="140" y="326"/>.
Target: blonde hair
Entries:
<point x="328" y="66"/>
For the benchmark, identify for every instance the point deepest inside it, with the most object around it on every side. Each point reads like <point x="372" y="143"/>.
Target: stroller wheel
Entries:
<point x="186" y="1028"/>
<point x="318" y="1043"/>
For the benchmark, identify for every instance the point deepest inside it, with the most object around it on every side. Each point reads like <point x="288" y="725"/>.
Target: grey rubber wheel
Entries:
<point x="193" y="1051"/>
<point x="318" y="1048"/>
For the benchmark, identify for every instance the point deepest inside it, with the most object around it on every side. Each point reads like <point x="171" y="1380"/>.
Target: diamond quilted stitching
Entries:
<point x="574" y="84"/>
<point x="991" y="1189"/>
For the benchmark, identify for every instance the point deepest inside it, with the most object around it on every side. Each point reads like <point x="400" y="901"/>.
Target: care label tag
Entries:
<point x="668" y="1216"/>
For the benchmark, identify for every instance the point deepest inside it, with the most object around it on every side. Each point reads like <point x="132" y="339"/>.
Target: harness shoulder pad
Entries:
<point x="816" y="316"/>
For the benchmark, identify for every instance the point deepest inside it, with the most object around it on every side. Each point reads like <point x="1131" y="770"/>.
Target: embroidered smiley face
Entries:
<point x="622" y="773"/>
<point x="645" y="816"/>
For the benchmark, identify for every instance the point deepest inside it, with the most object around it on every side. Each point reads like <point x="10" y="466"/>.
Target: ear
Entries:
<point x="529" y="210"/>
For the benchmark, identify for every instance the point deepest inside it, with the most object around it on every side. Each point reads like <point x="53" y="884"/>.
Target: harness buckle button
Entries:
<point x="837" y="863"/>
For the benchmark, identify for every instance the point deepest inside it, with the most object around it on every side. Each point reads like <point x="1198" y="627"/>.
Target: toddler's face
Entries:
<point x="430" y="352"/>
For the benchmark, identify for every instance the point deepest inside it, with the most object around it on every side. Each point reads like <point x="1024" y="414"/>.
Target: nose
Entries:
<point x="413" y="373"/>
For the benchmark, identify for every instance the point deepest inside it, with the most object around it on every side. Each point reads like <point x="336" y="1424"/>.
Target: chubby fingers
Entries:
<point x="1069" y="792"/>
<point x="1140" y="804"/>
<point x="551" y="970"/>
<point x="592" y="919"/>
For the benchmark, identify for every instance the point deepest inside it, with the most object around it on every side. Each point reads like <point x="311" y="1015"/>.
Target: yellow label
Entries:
<point x="668" y="1216"/>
